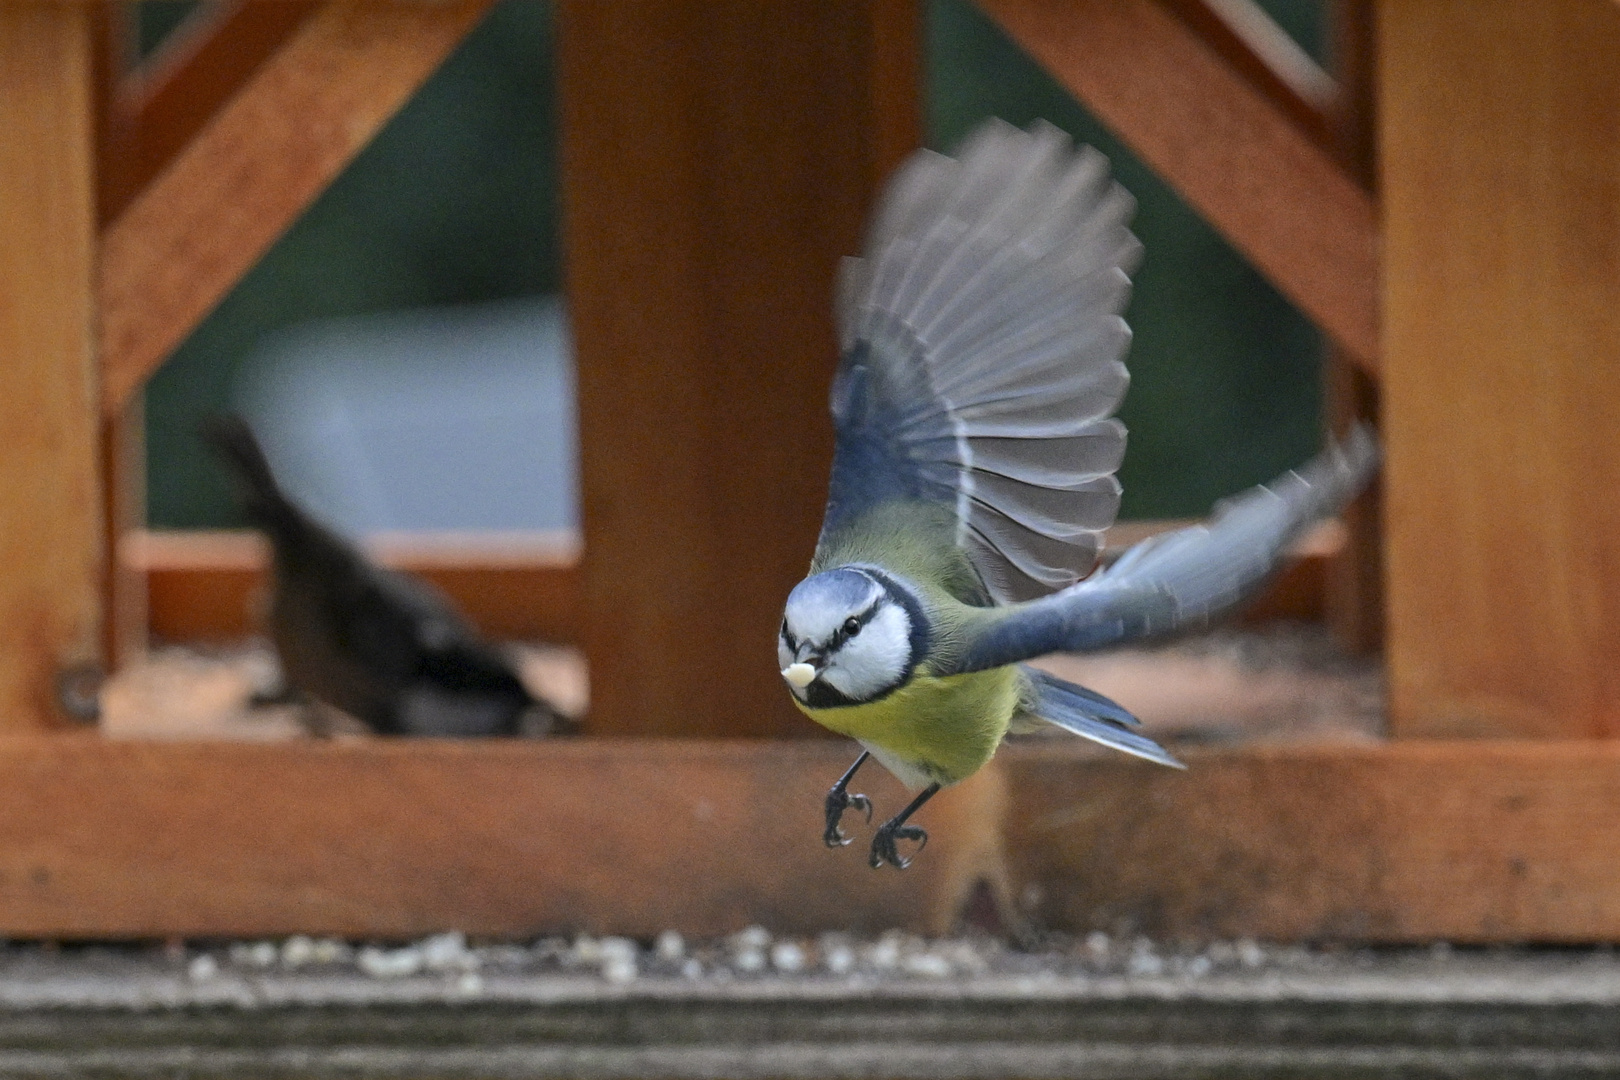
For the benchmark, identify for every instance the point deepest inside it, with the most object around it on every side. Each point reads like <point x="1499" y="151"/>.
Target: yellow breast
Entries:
<point x="946" y="728"/>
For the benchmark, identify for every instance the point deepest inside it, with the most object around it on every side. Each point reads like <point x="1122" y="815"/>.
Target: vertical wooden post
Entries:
<point x="718" y="158"/>
<point x="50" y="498"/>
<point x="1354" y="599"/>
<point x="1501" y="183"/>
<point x="123" y="471"/>
<point x="123" y="436"/>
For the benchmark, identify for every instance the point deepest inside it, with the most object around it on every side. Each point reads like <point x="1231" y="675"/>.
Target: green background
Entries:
<point x="456" y="202"/>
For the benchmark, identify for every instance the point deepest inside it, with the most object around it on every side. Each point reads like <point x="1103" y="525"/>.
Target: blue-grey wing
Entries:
<point x="1183" y="579"/>
<point x="983" y="354"/>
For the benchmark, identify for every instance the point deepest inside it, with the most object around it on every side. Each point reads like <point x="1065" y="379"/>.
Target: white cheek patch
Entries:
<point x="874" y="659"/>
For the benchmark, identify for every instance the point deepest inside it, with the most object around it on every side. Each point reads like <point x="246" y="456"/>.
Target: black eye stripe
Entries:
<point x="841" y="635"/>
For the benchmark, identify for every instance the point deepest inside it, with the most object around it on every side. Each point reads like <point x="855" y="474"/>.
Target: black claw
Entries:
<point x="885" y="850"/>
<point x="839" y="800"/>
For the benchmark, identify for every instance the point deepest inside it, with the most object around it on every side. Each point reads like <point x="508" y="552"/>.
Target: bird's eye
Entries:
<point x="851" y="626"/>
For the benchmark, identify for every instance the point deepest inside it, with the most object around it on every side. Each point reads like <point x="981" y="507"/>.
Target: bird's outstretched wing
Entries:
<point x="983" y="354"/>
<point x="1180" y="580"/>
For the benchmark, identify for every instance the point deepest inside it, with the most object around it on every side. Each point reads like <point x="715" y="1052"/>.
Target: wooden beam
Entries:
<point x="206" y="586"/>
<point x="50" y="496"/>
<point x="245" y="178"/>
<point x="124" y="586"/>
<point x="1418" y="841"/>
<point x="1354" y="594"/>
<point x="1469" y="841"/>
<point x="162" y="104"/>
<point x="1501" y="181"/>
<point x="1230" y="151"/>
<point x="396" y="839"/>
<point x="717" y="160"/>
<point x="1247" y="38"/>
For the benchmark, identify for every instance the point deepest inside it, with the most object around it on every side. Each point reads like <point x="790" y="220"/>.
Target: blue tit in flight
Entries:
<point x="973" y="477"/>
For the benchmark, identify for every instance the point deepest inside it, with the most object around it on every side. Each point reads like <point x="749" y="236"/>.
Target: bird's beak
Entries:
<point x="799" y="675"/>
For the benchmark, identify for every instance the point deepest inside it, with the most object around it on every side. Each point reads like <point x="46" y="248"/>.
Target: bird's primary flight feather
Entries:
<point x="984" y="354"/>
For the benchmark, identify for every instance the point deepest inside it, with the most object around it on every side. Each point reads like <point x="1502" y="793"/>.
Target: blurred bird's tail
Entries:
<point x="1089" y="715"/>
<point x="262" y="498"/>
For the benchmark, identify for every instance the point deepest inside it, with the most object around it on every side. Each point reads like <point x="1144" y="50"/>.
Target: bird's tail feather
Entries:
<point x="1091" y="716"/>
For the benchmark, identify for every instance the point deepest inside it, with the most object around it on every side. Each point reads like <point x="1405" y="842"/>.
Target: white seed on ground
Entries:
<point x="886" y="953"/>
<point x="330" y="951"/>
<point x="749" y="961"/>
<point x="469" y="984"/>
<point x="586" y="950"/>
<point x="390" y="963"/>
<point x="927" y="965"/>
<point x="297" y="951"/>
<point x="1144" y="961"/>
<point x="1249" y="953"/>
<point x="618" y="959"/>
<point x="692" y="968"/>
<point x="963" y="956"/>
<point x="670" y="946"/>
<point x="259" y="954"/>
<point x="753" y="937"/>
<point x="618" y="948"/>
<point x="838" y="959"/>
<point x="787" y="957"/>
<point x="202" y="968"/>
<point x="448" y="952"/>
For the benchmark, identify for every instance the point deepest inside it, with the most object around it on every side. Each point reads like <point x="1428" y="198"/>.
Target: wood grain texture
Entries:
<point x="717" y="160"/>
<point x="397" y="839"/>
<point x="1254" y="46"/>
<point x="50" y="495"/>
<point x="1354" y="583"/>
<point x="126" y="609"/>
<point x="1470" y="841"/>
<point x="156" y="109"/>
<point x="1425" y="840"/>
<point x="1231" y="152"/>
<point x="193" y="232"/>
<point x="1501" y="185"/>
<point x="208" y="586"/>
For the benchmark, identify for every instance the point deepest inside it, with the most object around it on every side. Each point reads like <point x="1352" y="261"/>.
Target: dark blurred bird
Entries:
<point x="380" y="645"/>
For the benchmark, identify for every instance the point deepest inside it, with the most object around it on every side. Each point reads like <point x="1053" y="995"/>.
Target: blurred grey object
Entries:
<point x="434" y="419"/>
<point x="378" y="645"/>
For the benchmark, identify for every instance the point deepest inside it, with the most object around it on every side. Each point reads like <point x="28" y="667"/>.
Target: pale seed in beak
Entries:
<point x="799" y="675"/>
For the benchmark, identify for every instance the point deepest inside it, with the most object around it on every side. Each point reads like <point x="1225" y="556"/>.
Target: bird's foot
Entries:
<point x="884" y="849"/>
<point x="839" y="800"/>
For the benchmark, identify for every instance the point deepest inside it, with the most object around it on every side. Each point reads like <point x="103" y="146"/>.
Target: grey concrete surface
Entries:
<point x="105" y="1012"/>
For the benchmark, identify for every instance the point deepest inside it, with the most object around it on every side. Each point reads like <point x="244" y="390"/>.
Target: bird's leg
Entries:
<point x="883" y="844"/>
<point x="839" y="799"/>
